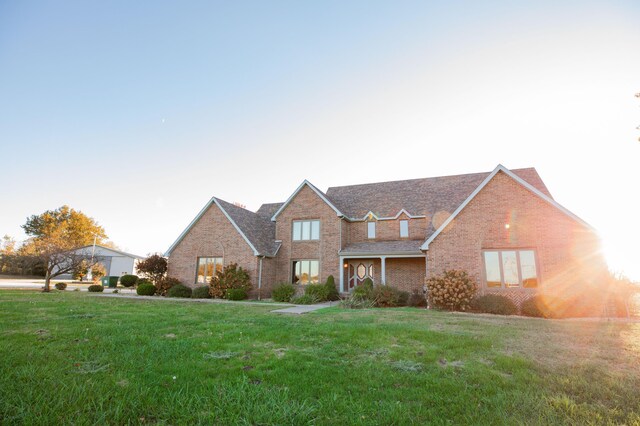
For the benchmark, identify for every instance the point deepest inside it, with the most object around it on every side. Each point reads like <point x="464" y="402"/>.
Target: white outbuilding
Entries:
<point x="116" y="263"/>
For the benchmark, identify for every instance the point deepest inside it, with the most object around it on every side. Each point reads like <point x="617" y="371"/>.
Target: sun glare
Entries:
<point x="621" y="259"/>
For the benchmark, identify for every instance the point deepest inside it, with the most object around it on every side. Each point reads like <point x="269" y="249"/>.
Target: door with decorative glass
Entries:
<point x="359" y="271"/>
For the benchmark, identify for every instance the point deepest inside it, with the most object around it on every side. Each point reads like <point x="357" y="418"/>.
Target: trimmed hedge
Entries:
<point x="201" y="292"/>
<point x="179" y="290"/>
<point x="60" y="286"/>
<point x="128" y="280"/>
<point x="165" y="284"/>
<point x="494" y="304"/>
<point x="96" y="288"/>
<point x="236" y="294"/>
<point x="283" y="292"/>
<point x="332" y="290"/>
<point x="146" y="289"/>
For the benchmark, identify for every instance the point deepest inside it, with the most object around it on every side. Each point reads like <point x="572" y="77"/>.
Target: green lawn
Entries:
<point x="76" y="358"/>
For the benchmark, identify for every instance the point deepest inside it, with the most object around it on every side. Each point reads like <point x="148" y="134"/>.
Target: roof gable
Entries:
<point x="500" y="168"/>
<point x="258" y="232"/>
<point x="320" y="194"/>
<point x="109" y="249"/>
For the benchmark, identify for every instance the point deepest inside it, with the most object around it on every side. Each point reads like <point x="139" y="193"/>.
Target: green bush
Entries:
<point x="143" y="281"/>
<point x="364" y="290"/>
<point x="236" y="294"/>
<point x="417" y="299"/>
<point x="231" y="276"/>
<point x="386" y="296"/>
<point x="165" y="284"/>
<point x="332" y="290"/>
<point x="60" y="286"/>
<point x="283" y="292"/>
<point x="146" y="289"/>
<point x="96" y="288"/>
<point x="128" y="280"/>
<point x="305" y="299"/>
<point x="355" y="301"/>
<point x="493" y="304"/>
<point x="453" y="290"/>
<point x="320" y="292"/>
<point x="201" y="292"/>
<point x="179" y="290"/>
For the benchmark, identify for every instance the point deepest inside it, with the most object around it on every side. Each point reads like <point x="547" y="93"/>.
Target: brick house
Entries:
<point x="502" y="227"/>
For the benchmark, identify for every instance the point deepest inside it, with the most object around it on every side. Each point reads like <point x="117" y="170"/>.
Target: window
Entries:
<point x="306" y="230"/>
<point x="510" y="268"/>
<point x="371" y="229"/>
<point x="404" y="229"/>
<point x="206" y="268"/>
<point x="305" y="272"/>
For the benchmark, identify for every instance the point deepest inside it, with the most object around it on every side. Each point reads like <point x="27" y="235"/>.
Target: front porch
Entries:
<point x="397" y="263"/>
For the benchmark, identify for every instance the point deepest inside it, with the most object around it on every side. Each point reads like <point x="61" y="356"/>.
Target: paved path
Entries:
<point x="303" y="309"/>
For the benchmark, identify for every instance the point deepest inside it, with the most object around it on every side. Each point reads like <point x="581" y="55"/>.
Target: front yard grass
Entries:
<point x="73" y="358"/>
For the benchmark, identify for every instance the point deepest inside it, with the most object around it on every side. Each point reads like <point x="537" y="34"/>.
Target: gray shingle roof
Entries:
<point x="261" y="231"/>
<point x="268" y="210"/>
<point x="382" y="247"/>
<point x="417" y="196"/>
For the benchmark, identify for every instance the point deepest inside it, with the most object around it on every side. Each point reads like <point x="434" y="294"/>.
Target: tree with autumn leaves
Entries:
<point x="53" y="237"/>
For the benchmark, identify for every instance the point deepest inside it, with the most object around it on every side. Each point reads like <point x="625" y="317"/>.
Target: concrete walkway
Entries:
<point x="303" y="309"/>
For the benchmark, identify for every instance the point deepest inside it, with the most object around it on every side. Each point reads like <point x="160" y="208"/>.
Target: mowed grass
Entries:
<point x="76" y="358"/>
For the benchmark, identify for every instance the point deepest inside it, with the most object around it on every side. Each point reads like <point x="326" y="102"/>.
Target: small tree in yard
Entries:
<point x="153" y="267"/>
<point x="453" y="290"/>
<point x="231" y="276"/>
<point x="53" y="237"/>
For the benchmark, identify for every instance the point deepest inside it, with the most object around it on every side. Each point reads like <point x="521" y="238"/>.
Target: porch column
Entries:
<point x="383" y="270"/>
<point x="341" y="274"/>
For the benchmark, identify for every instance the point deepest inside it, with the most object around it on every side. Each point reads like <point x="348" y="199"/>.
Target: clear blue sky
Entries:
<point x="137" y="113"/>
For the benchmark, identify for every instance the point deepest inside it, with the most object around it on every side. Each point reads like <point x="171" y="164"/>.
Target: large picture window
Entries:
<point x="510" y="268"/>
<point x="206" y="268"/>
<point x="306" y="230"/>
<point x="305" y="272"/>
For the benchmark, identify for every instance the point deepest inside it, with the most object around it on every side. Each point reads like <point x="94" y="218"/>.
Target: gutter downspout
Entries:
<point x="260" y="279"/>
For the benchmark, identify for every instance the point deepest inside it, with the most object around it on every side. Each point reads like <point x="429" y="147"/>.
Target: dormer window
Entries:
<point x="371" y="230"/>
<point x="404" y="229"/>
<point x="305" y="230"/>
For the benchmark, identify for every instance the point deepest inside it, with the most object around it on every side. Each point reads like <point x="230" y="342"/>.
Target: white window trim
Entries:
<point x="407" y="222"/>
<point x="214" y="267"/>
<point x="502" y="284"/>
<point x="301" y="222"/>
<point x="369" y="228"/>
<point x="293" y="270"/>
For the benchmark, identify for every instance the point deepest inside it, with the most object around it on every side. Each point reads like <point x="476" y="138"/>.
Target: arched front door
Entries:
<point x="359" y="271"/>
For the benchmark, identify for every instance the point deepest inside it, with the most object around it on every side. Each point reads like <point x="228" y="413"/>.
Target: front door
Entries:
<point x="358" y="272"/>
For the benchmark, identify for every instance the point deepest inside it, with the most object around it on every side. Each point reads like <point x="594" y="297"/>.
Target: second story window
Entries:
<point x="404" y="229"/>
<point x="304" y="230"/>
<point x="371" y="229"/>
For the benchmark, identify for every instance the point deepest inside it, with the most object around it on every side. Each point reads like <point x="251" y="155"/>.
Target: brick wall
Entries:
<point x="388" y="230"/>
<point x="212" y="236"/>
<point x="567" y="252"/>
<point x="308" y="205"/>
<point x="406" y="274"/>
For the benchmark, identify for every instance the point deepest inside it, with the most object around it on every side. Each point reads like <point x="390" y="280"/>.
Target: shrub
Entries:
<point x="115" y="291"/>
<point x="283" y="292"/>
<point x="128" y="280"/>
<point x="165" y="284"/>
<point x="61" y="286"/>
<point x="320" y="292"/>
<point x="364" y="290"/>
<point x="153" y="267"/>
<point x="332" y="290"/>
<point x="453" y="290"/>
<point x="305" y="299"/>
<point x="236" y="294"/>
<point x="355" y="301"/>
<point x="231" y="276"/>
<point x="96" y="288"/>
<point x="146" y="289"/>
<point x="143" y="281"/>
<point x="494" y="304"/>
<point x="417" y="299"/>
<point x="179" y="290"/>
<point x="386" y="296"/>
<point x="201" y="292"/>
